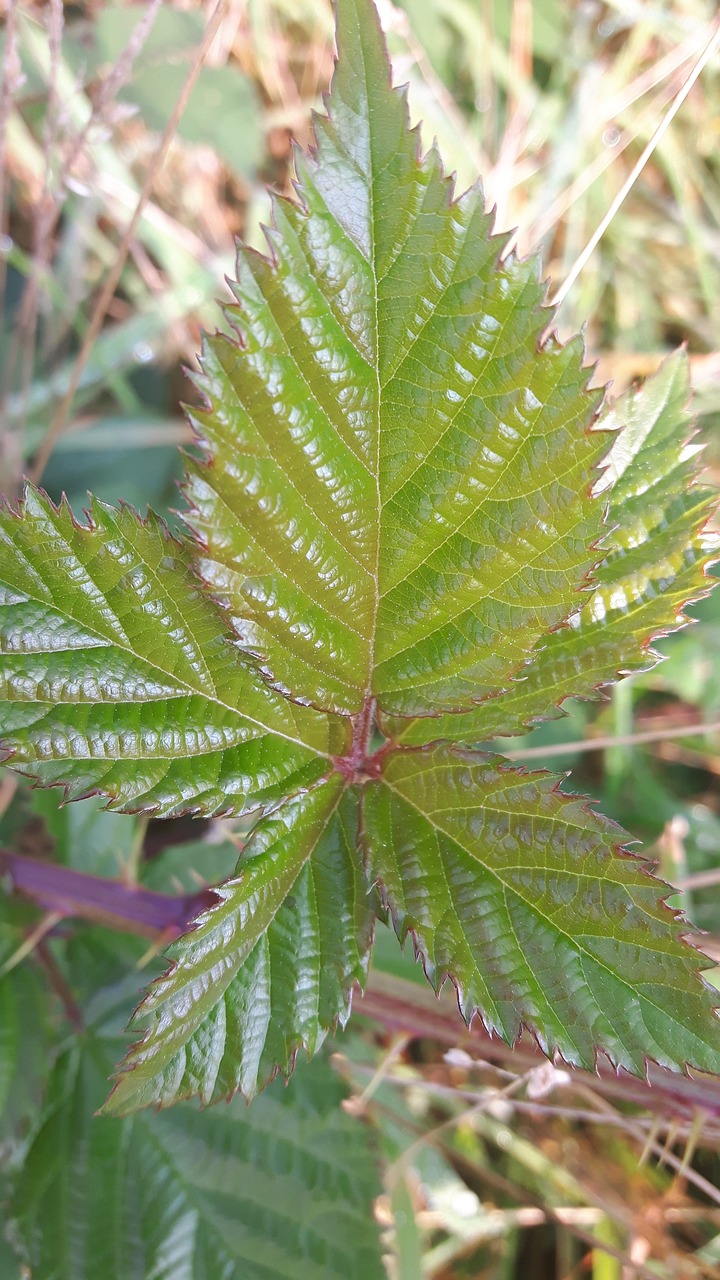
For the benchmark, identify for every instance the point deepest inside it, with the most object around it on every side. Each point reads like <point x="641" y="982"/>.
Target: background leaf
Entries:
<point x="28" y="1029"/>
<point x="222" y="111"/>
<point x="280" y="1190"/>
<point x="86" y="836"/>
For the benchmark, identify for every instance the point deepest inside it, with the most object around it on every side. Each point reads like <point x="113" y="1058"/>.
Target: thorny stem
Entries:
<point x="108" y="902"/>
<point x="401" y="1006"/>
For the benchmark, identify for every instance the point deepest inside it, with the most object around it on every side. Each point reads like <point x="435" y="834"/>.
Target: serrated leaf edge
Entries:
<point x="619" y="848"/>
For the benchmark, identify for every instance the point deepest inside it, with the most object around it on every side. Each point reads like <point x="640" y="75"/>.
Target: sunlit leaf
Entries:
<point x="265" y="973"/>
<point x="657" y="553"/>
<point x="522" y="895"/>
<point x="397" y="535"/>
<point x="396" y="500"/>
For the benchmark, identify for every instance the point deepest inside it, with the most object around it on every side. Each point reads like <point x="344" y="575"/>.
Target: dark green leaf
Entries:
<point x="187" y="867"/>
<point x="27" y="1033"/>
<point x="523" y="897"/>
<point x="10" y="1266"/>
<point x="9" y="1035"/>
<point x="86" y="836"/>
<point x="280" y="1191"/>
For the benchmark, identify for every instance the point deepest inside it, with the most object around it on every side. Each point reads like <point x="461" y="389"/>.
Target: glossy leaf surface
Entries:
<point x="657" y="551"/>
<point x="117" y="675"/>
<point x="396" y="500"/>
<point x="521" y="895"/>
<point x="268" y="971"/>
<point x="395" y="521"/>
<point x="281" y="1190"/>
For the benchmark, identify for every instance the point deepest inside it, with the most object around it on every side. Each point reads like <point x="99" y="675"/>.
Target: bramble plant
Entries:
<point x="410" y="532"/>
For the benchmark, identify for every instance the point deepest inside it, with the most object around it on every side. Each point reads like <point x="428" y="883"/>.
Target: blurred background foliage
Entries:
<point x="492" y="1165"/>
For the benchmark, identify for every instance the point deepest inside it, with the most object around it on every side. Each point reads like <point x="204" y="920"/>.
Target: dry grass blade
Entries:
<point x="517" y="1192"/>
<point x="60" y="418"/>
<point x="608" y="741"/>
<point x="710" y="49"/>
<point x="9" y="81"/>
<point x="45" y="215"/>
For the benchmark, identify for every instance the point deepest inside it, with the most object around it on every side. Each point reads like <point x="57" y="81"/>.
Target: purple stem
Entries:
<point x="108" y="902"/>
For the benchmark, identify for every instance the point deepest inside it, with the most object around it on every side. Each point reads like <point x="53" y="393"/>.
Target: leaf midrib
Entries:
<point x="368" y="696"/>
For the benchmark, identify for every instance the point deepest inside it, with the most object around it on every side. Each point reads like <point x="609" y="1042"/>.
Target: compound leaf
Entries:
<point x="283" y="1189"/>
<point x="524" y="898"/>
<point x="399" y="508"/>
<point x="266" y="972"/>
<point x="118" y="678"/>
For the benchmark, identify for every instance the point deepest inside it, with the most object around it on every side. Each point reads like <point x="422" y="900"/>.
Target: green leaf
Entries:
<point x="222" y="111"/>
<point x="27" y="1027"/>
<point x="187" y="867"/>
<point x="172" y="37"/>
<point x="9" y="1036"/>
<point x="119" y="678"/>
<point x="9" y="1262"/>
<point x="656" y="558"/>
<point x="399" y="508"/>
<point x="86" y="836"/>
<point x="524" y="898"/>
<point x="282" y="1190"/>
<point x="268" y="971"/>
<point x="396" y="501"/>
